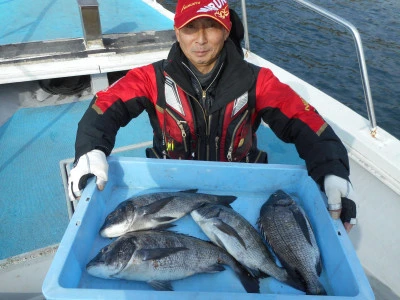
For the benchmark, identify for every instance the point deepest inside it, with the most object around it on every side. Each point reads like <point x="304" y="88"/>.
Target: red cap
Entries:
<point x="189" y="10"/>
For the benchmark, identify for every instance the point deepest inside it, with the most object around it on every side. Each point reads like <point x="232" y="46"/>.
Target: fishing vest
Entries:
<point x="188" y="133"/>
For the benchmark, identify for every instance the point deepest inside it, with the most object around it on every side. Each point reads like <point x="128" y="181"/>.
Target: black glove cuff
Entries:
<point x="349" y="210"/>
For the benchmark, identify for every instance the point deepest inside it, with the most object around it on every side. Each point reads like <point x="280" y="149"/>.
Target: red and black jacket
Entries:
<point x="243" y="95"/>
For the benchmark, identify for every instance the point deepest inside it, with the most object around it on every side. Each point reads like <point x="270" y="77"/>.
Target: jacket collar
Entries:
<point x="235" y="79"/>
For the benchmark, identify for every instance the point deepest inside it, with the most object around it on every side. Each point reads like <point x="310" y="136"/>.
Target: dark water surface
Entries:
<point x="323" y="53"/>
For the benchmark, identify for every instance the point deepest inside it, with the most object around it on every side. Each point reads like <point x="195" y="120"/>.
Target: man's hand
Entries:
<point x="93" y="162"/>
<point x="341" y="197"/>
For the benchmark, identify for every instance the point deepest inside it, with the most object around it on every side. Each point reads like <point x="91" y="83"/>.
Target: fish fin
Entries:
<point x="164" y="226"/>
<point x="189" y="191"/>
<point x="164" y="219"/>
<point x="230" y="231"/>
<point x="250" y="283"/>
<point x="256" y="273"/>
<point x="219" y="242"/>
<point x="270" y="251"/>
<point x="318" y="267"/>
<point x="225" y="200"/>
<point x="319" y="289"/>
<point x="294" y="278"/>
<point x="213" y="268"/>
<point x="316" y="289"/>
<point x="156" y="205"/>
<point x="303" y="222"/>
<point x="296" y="283"/>
<point x="259" y="274"/>
<point x="160" y="285"/>
<point x="261" y="228"/>
<point x="158" y="253"/>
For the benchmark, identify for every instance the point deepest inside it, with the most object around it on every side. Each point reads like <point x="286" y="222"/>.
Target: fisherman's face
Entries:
<point x="201" y="41"/>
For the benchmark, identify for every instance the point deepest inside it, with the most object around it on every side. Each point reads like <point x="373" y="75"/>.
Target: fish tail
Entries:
<point x="281" y="273"/>
<point x="225" y="200"/>
<point x="316" y="289"/>
<point x="192" y="191"/>
<point x="297" y="284"/>
<point x="249" y="282"/>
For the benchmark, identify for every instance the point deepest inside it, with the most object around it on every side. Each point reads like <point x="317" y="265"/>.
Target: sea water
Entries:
<point x="323" y="52"/>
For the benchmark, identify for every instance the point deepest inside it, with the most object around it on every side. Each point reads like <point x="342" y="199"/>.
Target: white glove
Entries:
<point x="341" y="198"/>
<point x="94" y="162"/>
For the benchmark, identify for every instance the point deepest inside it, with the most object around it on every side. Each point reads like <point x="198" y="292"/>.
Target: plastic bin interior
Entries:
<point x="67" y="278"/>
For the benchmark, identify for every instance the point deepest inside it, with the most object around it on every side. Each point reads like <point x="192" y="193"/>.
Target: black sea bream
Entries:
<point x="155" y="210"/>
<point x="287" y="229"/>
<point x="231" y="231"/>
<point x="159" y="257"/>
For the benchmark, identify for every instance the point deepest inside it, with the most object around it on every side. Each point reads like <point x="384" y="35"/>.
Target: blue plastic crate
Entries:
<point x="342" y="275"/>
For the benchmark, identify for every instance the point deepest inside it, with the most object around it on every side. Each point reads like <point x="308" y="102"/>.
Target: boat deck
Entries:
<point x="37" y="128"/>
<point x="48" y="40"/>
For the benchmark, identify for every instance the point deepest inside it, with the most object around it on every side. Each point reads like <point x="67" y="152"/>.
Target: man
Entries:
<point x="206" y="102"/>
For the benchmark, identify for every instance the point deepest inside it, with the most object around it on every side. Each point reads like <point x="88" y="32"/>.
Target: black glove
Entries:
<point x="349" y="211"/>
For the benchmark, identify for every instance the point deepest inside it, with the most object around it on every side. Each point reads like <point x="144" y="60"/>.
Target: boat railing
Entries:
<point x="359" y="49"/>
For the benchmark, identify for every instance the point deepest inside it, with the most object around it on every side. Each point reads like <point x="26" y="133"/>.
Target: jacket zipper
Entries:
<point x="204" y="95"/>
<point x="230" y="150"/>
<point x="208" y="137"/>
<point x="183" y="132"/>
<point x="204" y="92"/>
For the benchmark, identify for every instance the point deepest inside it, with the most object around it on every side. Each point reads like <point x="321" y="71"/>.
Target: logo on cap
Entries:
<point x="214" y="5"/>
<point x="189" y="10"/>
<point x="189" y="5"/>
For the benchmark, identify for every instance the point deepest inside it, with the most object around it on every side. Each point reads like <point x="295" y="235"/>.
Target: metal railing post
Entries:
<point x="360" y="55"/>
<point x="246" y="28"/>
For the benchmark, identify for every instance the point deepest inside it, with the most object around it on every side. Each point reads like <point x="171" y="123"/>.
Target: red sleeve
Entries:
<point x="113" y="108"/>
<point x="271" y="93"/>
<point x="295" y="121"/>
<point x="138" y="83"/>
